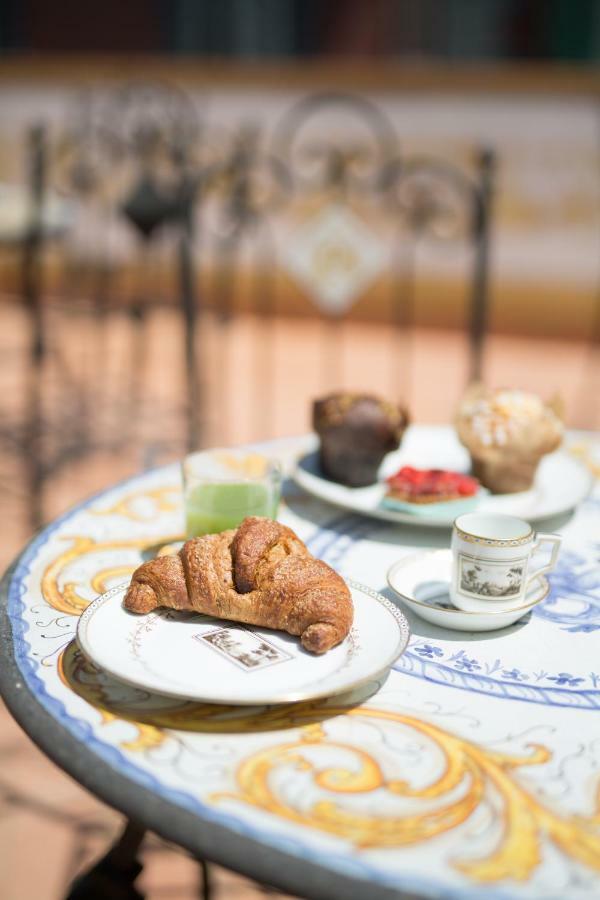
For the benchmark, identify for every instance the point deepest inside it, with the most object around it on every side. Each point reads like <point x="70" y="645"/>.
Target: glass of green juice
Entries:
<point x="222" y="487"/>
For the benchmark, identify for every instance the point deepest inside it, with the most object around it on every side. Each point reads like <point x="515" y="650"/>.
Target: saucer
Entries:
<point x="422" y="581"/>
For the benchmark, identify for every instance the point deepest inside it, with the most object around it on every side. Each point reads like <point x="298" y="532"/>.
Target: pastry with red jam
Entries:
<point x="428" y="490"/>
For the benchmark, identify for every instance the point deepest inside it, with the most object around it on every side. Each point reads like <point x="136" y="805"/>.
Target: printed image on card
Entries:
<point x="244" y="648"/>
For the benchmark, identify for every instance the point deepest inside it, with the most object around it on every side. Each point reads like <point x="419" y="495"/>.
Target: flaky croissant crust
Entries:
<point x="260" y="574"/>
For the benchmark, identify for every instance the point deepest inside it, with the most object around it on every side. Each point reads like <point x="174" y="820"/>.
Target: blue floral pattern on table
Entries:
<point x="515" y="675"/>
<point x="462" y="661"/>
<point x="565" y="678"/>
<point x="481" y="672"/>
<point x="574" y="599"/>
<point x="428" y="651"/>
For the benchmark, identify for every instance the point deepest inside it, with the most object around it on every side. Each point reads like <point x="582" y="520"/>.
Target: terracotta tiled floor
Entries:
<point x="41" y="807"/>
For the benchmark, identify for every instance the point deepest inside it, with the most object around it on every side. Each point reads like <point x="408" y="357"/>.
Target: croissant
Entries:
<point x="260" y="573"/>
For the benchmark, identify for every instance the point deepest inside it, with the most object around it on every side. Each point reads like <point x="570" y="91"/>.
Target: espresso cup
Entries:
<point x="491" y="557"/>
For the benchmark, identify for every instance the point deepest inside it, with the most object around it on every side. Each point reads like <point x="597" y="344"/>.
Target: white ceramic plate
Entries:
<point x="561" y="481"/>
<point x="422" y="581"/>
<point x="200" y="658"/>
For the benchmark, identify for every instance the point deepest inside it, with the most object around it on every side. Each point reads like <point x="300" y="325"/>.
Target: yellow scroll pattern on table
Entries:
<point x="469" y="774"/>
<point x="164" y="499"/>
<point x="68" y="598"/>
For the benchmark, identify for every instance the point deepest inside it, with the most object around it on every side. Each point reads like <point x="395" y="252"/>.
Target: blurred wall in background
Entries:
<point x="545" y="131"/>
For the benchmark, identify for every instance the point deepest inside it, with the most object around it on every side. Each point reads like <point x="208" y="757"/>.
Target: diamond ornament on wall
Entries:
<point x="334" y="257"/>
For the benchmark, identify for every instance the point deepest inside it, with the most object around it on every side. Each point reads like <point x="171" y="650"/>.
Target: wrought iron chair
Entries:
<point x="129" y="156"/>
<point x="334" y="186"/>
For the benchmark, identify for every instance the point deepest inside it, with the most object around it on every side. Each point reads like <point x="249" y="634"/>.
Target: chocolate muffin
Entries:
<point x="356" y="432"/>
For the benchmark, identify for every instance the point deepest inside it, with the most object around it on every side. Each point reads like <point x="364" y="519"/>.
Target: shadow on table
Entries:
<point x="420" y="628"/>
<point x="152" y="713"/>
<point x="337" y="521"/>
<point x="409" y="536"/>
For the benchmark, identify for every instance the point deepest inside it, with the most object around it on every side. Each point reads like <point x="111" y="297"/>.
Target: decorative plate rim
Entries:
<point x="291" y="697"/>
<point x="401" y="563"/>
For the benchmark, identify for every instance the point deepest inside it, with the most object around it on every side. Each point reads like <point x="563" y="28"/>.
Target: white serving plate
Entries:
<point x="561" y="481"/>
<point x="200" y="658"/>
<point x="422" y="582"/>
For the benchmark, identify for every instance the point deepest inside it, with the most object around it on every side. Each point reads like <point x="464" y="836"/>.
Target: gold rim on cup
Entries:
<point x="492" y="542"/>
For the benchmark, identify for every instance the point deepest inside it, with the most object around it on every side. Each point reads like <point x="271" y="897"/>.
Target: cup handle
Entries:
<point x="553" y="539"/>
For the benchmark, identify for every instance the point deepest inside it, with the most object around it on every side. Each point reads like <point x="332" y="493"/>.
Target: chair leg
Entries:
<point x="114" y="875"/>
<point x="206" y="886"/>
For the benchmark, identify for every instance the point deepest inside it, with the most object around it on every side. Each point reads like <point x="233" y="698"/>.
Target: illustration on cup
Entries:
<point x="495" y="579"/>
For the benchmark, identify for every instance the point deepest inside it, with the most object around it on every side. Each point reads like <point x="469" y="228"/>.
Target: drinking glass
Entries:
<point x="222" y="487"/>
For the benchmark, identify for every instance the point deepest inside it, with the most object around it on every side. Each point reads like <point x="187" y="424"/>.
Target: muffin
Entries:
<point x="507" y="432"/>
<point x="356" y="431"/>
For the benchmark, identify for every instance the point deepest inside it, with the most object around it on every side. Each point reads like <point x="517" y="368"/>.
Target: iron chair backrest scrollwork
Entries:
<point x="426" y="194"/>
<point x="325" y="205"/>
<point x="126" y="155"/>
<point x="137" y="146"/>
<point x="359" y="208"/>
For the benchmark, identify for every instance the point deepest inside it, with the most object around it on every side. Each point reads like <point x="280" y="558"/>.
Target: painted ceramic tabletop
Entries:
<point x="475" y="766"/>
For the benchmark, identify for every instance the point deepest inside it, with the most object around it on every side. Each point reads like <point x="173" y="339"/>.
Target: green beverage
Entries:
<point x="216" y="506"/>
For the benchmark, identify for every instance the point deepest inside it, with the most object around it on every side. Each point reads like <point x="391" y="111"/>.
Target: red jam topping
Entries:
<point x="416" y="482"/>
